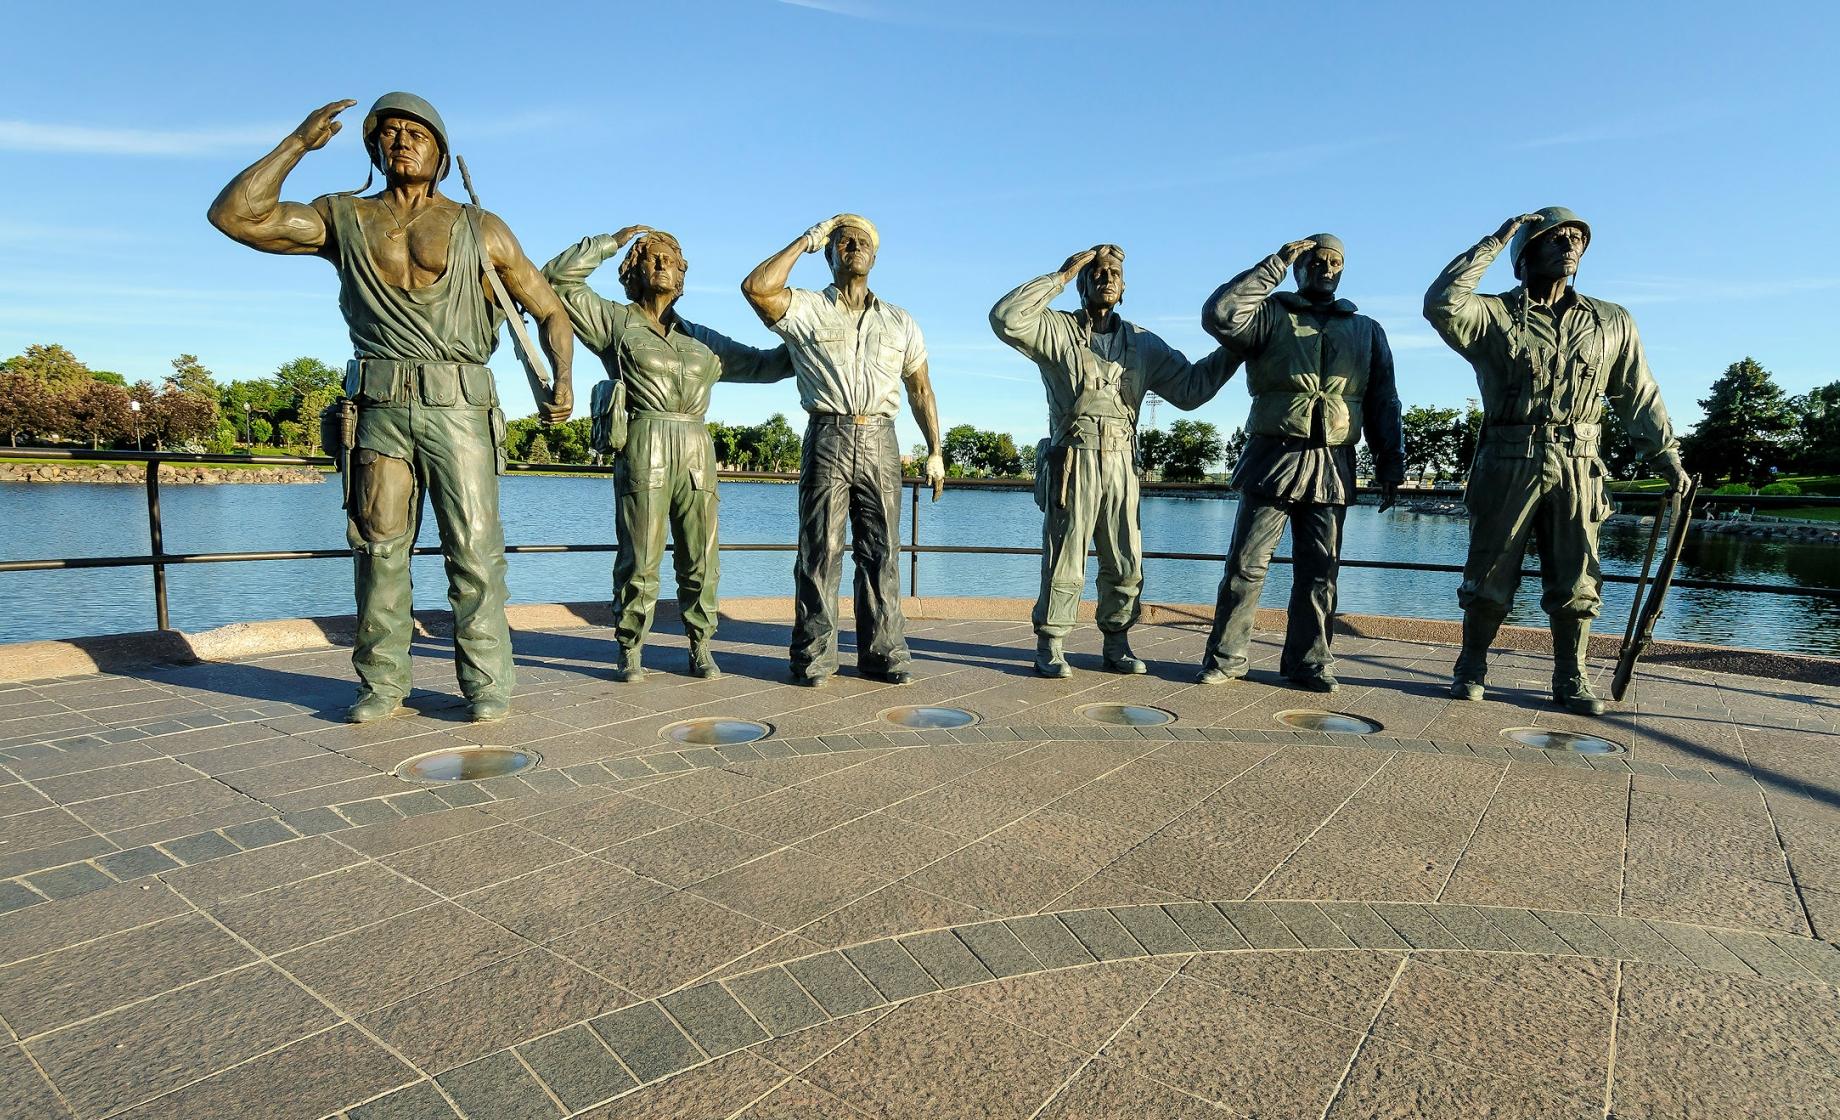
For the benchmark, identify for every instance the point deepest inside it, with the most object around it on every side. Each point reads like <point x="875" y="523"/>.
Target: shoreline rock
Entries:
<point x="171" y="474"/>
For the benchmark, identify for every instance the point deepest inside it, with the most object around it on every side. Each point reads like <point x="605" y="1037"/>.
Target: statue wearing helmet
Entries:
<point x="412" y="268"/>
<point x="1546" y="360"/>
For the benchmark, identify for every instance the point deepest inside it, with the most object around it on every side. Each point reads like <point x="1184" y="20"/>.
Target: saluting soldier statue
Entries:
<point x="1546" y="359"/>
<point x="665" y="471"/>
<point x="1097" y="369"/>
<point x="412" y="287"/>
<point x="1321" y="377"/>
<point x="853" y="351"/>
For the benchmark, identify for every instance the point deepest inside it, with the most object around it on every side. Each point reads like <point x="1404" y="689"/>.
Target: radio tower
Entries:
<point x="1150" y="403"/>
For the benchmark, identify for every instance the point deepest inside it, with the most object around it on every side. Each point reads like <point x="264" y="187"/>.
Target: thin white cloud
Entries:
<point x="74" y="139"/>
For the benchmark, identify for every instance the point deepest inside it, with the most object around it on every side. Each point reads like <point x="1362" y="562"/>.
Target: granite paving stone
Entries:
<point x="421" y="1101"/>
<point x="1051" y="942"/>
<point x="577" y="1067"/>
<point x="68" y="882"/>
<point x="891" y="969"/>
<point x="946" y="959"/>
<point x="199" y="848"/>
<point x="776" y="1000"/>
<point x="713" y="1019"/>
<point x="646" y="1041"/>
<point x="500" y="1087"/>
<point x="136" y="863"/>
<point x="834" y="982"/>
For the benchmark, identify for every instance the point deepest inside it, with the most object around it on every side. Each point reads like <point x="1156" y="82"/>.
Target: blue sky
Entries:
<point x="988" y="141"/>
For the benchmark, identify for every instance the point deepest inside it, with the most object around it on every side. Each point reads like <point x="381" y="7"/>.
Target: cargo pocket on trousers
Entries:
<point x="381" y="492"/>
<point x="1597" y="493"/>
<point x="498" y="441"/>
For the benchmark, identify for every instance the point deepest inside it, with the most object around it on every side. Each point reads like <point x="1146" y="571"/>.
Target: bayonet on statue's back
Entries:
<point x="541" y="382"/>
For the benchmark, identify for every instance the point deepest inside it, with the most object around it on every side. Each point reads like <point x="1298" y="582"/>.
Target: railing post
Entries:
<point x="158" y="539"/>
<point x="913" y="556"/>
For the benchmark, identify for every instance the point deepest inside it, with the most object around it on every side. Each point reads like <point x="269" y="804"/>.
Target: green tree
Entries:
<point x="960" y="446"/>
<point x="568" y="442"/>
<point x="303" y="376"/>
<point x="1745" y="427"/>
<point x="773" y="445"/>
<point x="1234" y="449"/>
<point x="222" y="440"/>
<point x="49" y="363"/>
<point x="190" y="376"/>
<point x="1615" y="447"/>
<point x="1432" y="440"/>
<point x="538" y="452"/>
<point x="1468" y="437"/>
<point x="311" y="405"/>
<point x="1816" y="447"/>
<point x="261" y="431"/>
<point x="1152" y="449"/>
<point x="1194" y="447"/>
<point x="518" y="434"/>
<point x="727" y="440"/>
<point x="293" y="434"/>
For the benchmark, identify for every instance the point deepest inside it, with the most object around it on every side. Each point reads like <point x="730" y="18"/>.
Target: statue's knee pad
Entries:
<point x="382" y="493"/>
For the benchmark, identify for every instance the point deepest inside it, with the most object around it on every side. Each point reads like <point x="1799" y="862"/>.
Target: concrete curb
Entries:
<point x="125" y="653"/>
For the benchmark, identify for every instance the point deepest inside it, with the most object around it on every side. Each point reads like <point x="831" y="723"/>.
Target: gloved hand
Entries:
<point x="817" y="235"/>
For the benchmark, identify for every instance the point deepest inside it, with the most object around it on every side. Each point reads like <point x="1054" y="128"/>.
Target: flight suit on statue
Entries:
<point x="1096" y="381"/>
<point x="666" y="474"/>
<point x="1544" y="372"/>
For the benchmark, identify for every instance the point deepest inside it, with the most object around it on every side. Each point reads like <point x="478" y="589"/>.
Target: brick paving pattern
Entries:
<point x="217" y="900"/>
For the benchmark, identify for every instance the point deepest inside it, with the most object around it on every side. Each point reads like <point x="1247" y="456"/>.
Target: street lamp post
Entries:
<point x="248" y="439"/>
<point x="135" y="408"/>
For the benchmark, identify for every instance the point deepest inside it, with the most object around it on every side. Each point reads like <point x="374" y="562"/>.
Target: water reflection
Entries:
<point x="74" y="520"/>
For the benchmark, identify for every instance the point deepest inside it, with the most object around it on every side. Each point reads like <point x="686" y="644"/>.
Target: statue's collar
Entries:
<point x="1297" y="301"/>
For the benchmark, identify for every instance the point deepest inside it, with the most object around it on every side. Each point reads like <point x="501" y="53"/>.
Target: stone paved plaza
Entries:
<point x="220" y="901"/>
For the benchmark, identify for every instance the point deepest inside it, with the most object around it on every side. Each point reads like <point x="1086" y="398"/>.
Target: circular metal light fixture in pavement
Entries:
<point x="1125" y="715"/>
<point x="1547" y="739"/>
<point x="715" y="731"/>
<point x="467" y="764"/>
<point x="1334" y="723"/>
<point x="928" y="717"/>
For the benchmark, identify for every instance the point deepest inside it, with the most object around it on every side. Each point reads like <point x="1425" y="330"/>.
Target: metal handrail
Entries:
<point x="159" y="558"/>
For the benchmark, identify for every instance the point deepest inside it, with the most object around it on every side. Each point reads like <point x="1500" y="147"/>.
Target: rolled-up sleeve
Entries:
<point x="914" y="355"/>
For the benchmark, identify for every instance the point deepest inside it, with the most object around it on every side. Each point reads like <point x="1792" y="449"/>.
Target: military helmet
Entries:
<point x="1552" y="217"/>
<point x="401" y="104"/>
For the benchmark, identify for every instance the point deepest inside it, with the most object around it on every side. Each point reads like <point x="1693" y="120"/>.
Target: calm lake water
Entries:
<point x="97" y="520"/>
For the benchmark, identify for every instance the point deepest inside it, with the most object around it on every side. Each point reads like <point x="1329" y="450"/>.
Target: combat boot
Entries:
<point x="1050" y="659"/>
<point x="1118" y="655"/>
<point x="1472" y="668"/>
<point x="1571" y="689"/>
<point x="632" y="667"/>
<point x="373" y="706"/>
<point x="488" y="709"/>
<point x="702" y="662"/>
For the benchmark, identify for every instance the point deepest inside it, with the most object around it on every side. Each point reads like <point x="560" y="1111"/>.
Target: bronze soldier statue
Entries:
<point x="665" y="472"/>
<point x="1321" y="376"/>
<point x="412" y="287"/>
<point x="853" y="352"/>
<point x="1097" y="369"/>
<point x="1546" y="359"/>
